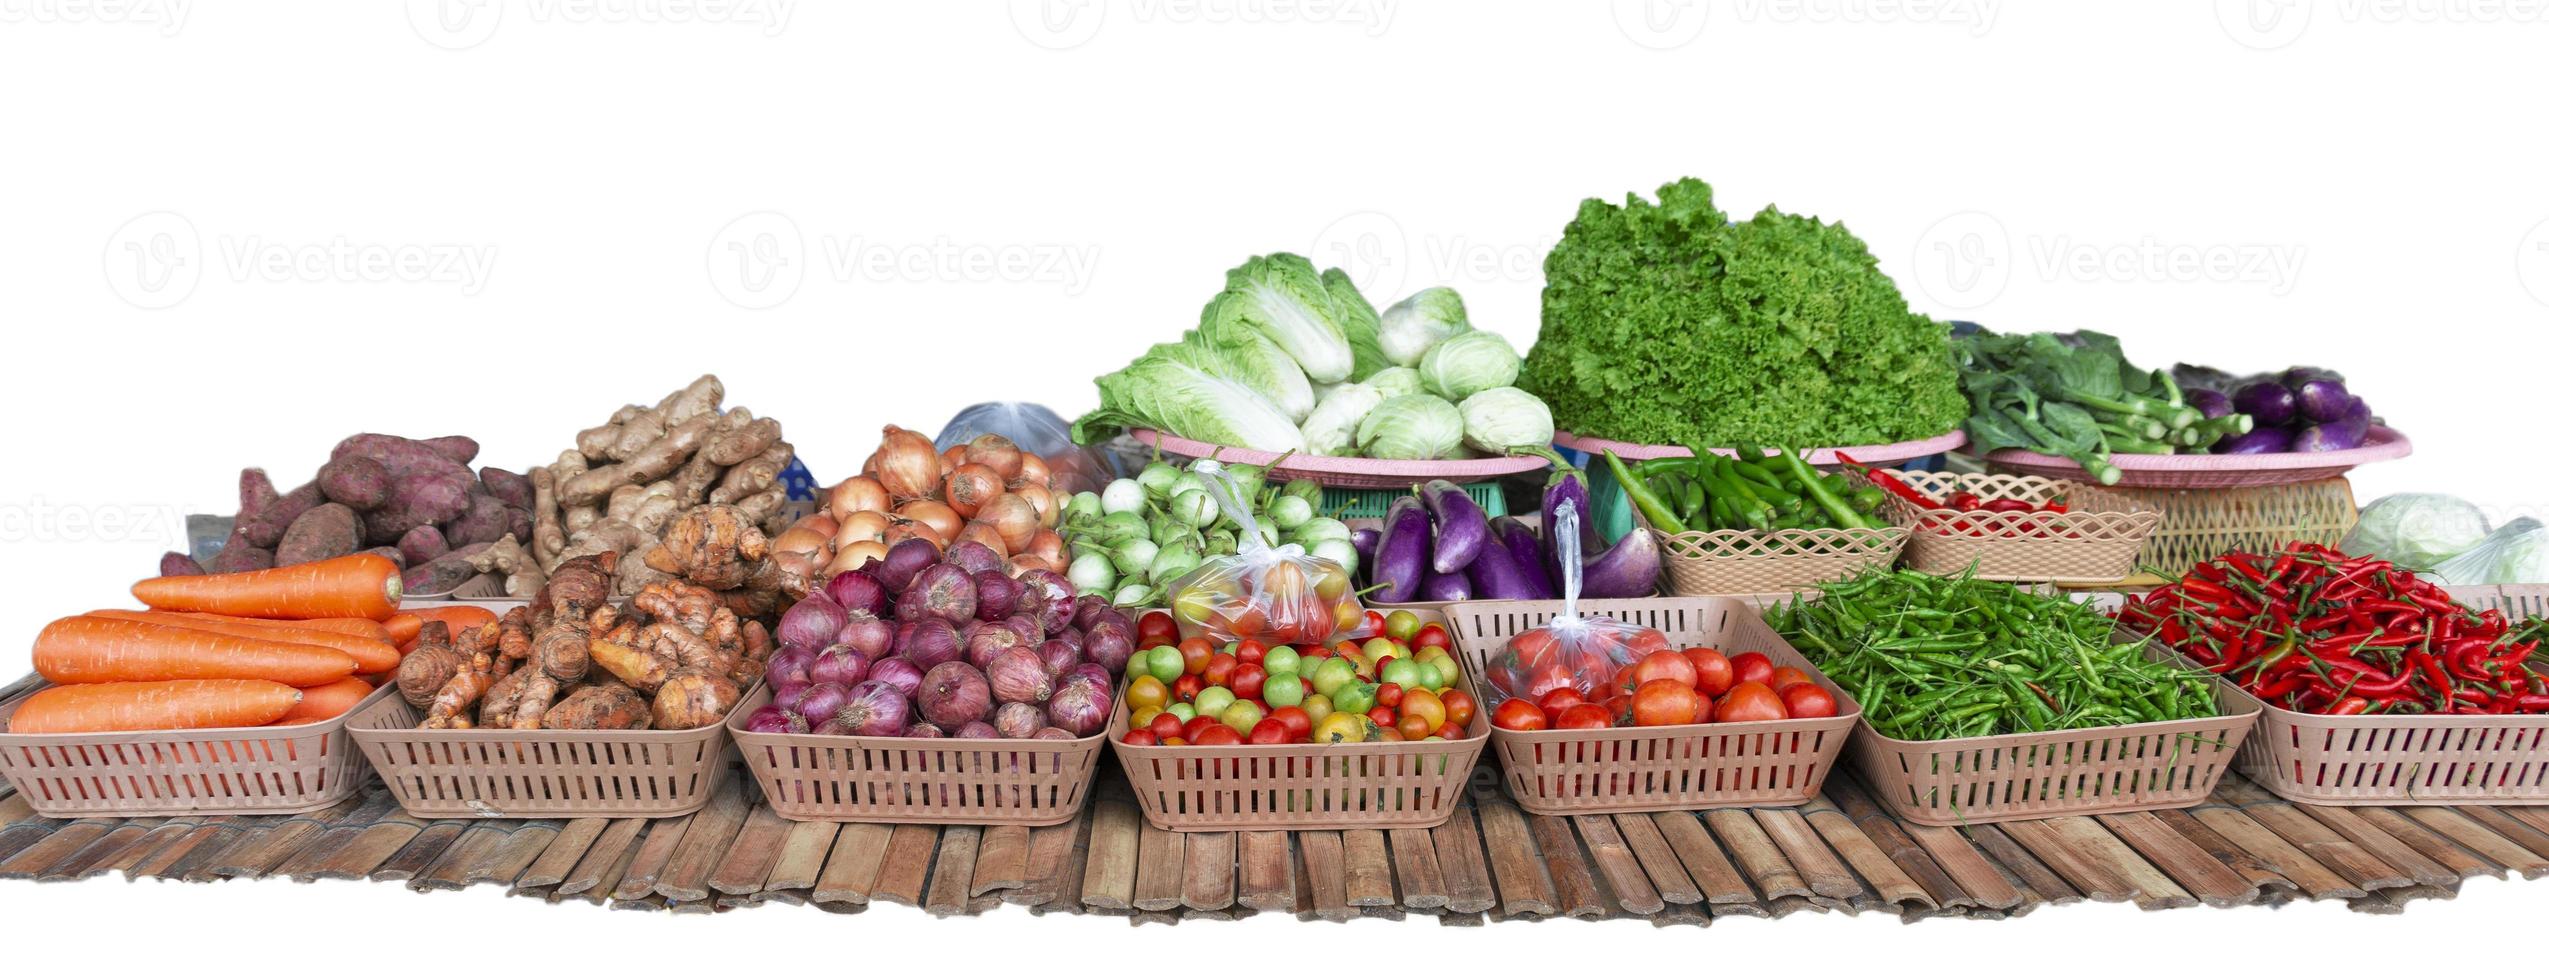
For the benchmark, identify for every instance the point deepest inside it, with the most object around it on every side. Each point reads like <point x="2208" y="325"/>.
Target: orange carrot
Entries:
<point x="371" y="656"/>
<point x="90" y="649"/>
<point x="362" y="586"/>
<point x="149" y="706"/>
<point x="403" y="627"/>
<point x="350" y="627"/>
<point x="327" y="701"/>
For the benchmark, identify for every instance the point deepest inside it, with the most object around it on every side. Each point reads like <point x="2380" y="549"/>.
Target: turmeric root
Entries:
<point x="496" y="708"/>
<point x="598" y="706"/>
<point x="451" y="704"/>
<point x="694" y="698"/>
<point x="424" y="671"/>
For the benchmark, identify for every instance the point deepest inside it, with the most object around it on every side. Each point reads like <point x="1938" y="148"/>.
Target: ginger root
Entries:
<point x="424" y="671"/>
<point x="717" y="546"/>
<point x="599" y="706"/>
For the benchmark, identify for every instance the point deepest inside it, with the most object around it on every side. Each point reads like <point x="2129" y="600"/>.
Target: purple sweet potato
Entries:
<point x="359" y="482"/>
<point x="441" y="575"/>
<point x="238" y="555"/>
<point x="177" y="563"/>
<point x="518" y="523"/>
<point x="508" y="486"/>
<point x="421" y="545"/>
<point x="458" y="449"/>
<point x="263" y="525"/>
<point x="395" y="558"/>
<point x="325" y="531"/>
<point x="255" y="489"/>
<point x="485" y="521"/>
<point x="417" y="500"/>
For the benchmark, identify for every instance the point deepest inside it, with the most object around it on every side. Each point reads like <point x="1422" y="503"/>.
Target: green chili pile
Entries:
<point x="1930" y="657"/>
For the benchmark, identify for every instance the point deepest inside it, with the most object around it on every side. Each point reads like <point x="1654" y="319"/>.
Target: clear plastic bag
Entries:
<point x="1037" y="430"/>
<point x="2418" y="530"/>
<point x="1275" y="595"/>
<point x="2515" y="554"/>
<point x="1573" y="650"/>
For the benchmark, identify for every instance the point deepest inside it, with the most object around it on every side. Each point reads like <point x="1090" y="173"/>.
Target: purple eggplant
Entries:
<point x="1446" y="587"/>
<point x="2323" y="400"/>
<point x="2258" y="440"/>
<point x="2270" y="403"/>
<point x="1566" y="486"/>
<point x="2328" y="437"/>
<point x="1523" y="543"/>
<point x="1399" y="558"/>
<point x="2212" y="403"/>
<point x="1627" y="571"/>
<point x="2295" y="377"/>
<point x="1367" y="540"/>
<point x="1460" y="528"/>
<point x="1493" y="575"/>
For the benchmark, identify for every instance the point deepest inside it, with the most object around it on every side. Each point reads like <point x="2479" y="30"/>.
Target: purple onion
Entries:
<point x="1121" y="621"/>
<point x="995" y="594"/>
<point x="976" y="729"/>
<point x="857" y="591"/>
<point x="787" y="695"/>
<point x="788" y="667"/>
<point x="775" y="720"/>
<point x="902" y="561"/>
<point x="928" y="642"/>
<point x="839" y="665"/>
<point x="1058" y="656"/>
<point x="863" y="632"/>
<point x="942" y="590"/>
<point x="1087" y="610"/>
<point x="1055" y="734"/>
<point x="1030" y="631"/>
<point x="1080" y="708"/>
<point x="954" y="693"/>
<point x="1017" y="719"/>
<point x="1056" y="608"/>
<point x="898" y="673"/>
<point x="1085" y="673"/>
<point x="815" y="621"/>
<point x="1108" y="645"/>
<point x="984" y="641"/>
<point x="924" y="730"/>
<point x="875" y="709"/>
<point x="821" y="700"/>
<point x="975" y="558"/>
<point x="1017" y="675"/>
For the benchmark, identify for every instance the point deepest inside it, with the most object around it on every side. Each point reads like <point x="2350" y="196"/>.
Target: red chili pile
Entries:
<point x="2312" y="629"/>
<point x="1963" y="502"/>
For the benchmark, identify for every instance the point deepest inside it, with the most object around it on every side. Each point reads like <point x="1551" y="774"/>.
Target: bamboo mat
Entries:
<point x="1493" y="861"/>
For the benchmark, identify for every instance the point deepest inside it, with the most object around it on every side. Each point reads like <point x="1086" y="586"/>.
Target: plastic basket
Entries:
<point x="1667" y="767"/>
<point x="2203" y="471"/>
<point x="2517" y="602"/>
<point x="1347" y="503"/>
<point x="265" y="770"/>
<point x="848" y="779"/>
<point x="499" y="773"/>
<point x="2096" y="541"/>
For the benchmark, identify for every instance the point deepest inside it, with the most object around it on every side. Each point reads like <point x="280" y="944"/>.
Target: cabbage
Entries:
<point x="2417" y="530"/>
<point x="1361" y="323"/>
<point x="1329" y="431"/>
<point x="1250" y="359"/>
<point x="1281" y="297"/>
<point x="1469" y="363"/>
<point x="2516" y="554"/>
<point x="1166" y="390"/>
<point x="1410" y="427"/>
<point x="1396" y="381"/>
<point x="1415" y="324"/>
<point x="1499" y="420"/>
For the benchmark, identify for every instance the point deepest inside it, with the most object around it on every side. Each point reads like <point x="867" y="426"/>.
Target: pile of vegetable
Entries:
<point x="1398" y="686"/>
<point x="1143" y="532"/>
<point x="2314" y="630"/>
<point x="986" y="490"/>
<point x="1665" y="323"/>
<point x="282" y="646"/>
<point x="955" y="644"/>
<point x="2297" y="410"/>
<point x="1289" y="359"/>
<point x="1967" y="505"/>
<point x="1750" y="491"/>
<point x="2077" y="397"/>
<point x="2451" y="538"/>
<point x="1277" y="595"/>
<point x="1438" y="546"/>
<point x="412" y="501"/>
<point x="1653" y="685"/>
<point x="1930" y="657"/>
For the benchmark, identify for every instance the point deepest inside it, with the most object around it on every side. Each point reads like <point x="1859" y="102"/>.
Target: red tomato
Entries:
<point x="1752" y="667"/>
<point x="1218" y="734"/>
<point x="1783" y="678"/>
<point x="1751" y="701"/>
<point x="1140" y="736"/>
<point x="1196" y="725"/>
<point x="1809" y="701"/>
<point x="1643" y="642"/>
<point x="1452" y="732"/>
<point x="1389" y="695"/>
<point x="1558" y="701"/>
<point x="1374" y="624"/>
<point x="1348" y="649"/>
<point x="1382" y="716"/>
<point x="1198" y="652"/>
<point x="1518" y="715"/>
<point x="1294" y="722"/>
<point x="1250" y="652"/>
<point x="1269" y="734"/>
<point x="1249" y="681"/>
<point x="1585" y="716"/>
<point x="1535" y="647"/>
<point x="1433" y="635"/>
<point x="1458" y="707"/>
<point x="1620" y="708"/>
<point x="1156" y="624"/>
<point x="1165" y="726"/>
<point x="1665" y="701"/>
<point x="1711" y="672"/>
<point x="1663" y="665"/>
<point x="1546" y="679"/>
<point x="1187" y="687"/>
<point x="1217" y="669"/>
<point x="1412" y="728"/>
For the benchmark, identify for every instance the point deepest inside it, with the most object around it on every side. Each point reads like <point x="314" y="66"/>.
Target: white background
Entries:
<point x="234" y="233"/>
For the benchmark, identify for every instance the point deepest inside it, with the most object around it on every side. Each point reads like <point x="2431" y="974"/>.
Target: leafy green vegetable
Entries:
<point x="1396" y="381"/>
<point x="2075" y="396"/>
<point x="1665" y="323"/>
<point x="1411" y="427"/>
<point x="1361" y="323"/>
<point x="1249" y="358"/>
<point x="1500" y="420"/>
<point x="1330" y="429"/>
<point x="1415" y="324"/>
<point x="1283" y="297"/>
<point x="1469" y="363"/>
<point x="1165" y="390"/>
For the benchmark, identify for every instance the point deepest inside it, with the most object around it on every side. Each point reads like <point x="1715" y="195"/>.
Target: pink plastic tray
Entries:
<point x="1339" y="471"/>
<point x="1880" y="456"/>
<point x="2203" y="472"/>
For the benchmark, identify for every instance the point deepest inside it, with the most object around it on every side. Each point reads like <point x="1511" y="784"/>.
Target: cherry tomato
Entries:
<point x="1558" y="701"/>
<point x="1156" y="628"/>
<point x="1752" y="667"/>
<point x="1248" y="681"/>
<point x="1140" y="736"/>
<point x="1413" y="728"/>
<point x="1340" y="727"/>
<point x="1187" y="687"/>
<point x="1451" y="733"/>
<point x="1421" y="703"/>
<point x="1620" y="708"/>
<point x="1751" y="701"/>
<point x="1196" y="726"/>
<point x="1809" y="701"/>
<point x="1547" y="679"/>
<point x="1146" y="692"/>
<point x="1294" y="721"/>
<point x="1400" y="625"/>
<point x="1585" y="716"/>
<point x="1271" y="734"/>
<point x="1518" y="715"/>
<point x="1783" y="678"/>
<point x="1433" y="635"/>
<point x="1389" y="695"/>
<point x="1663" y="665"/>
<point x="1165" y="726"/>
<point x="1384" y="717"/>
<point x="1711" y="672"/>
<point x="1666" y="701"/>
<point x="1217" y="735"/>
<point x="1217" y="669"/>
<point x="1458" y="707"/>
<point x="1198" y="652"/>
<point x="1250" y="652"/>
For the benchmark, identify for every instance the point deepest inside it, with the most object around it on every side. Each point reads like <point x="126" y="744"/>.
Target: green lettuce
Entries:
<point x="1415" y="324"/>
<point x="1361" y="323"/>
<point x="1411" y="427"/>
<point x="1469" y="363"/>
<point x="1249" y="358"/>
<point x="1167" y="391"/>
<point x="1282" y="297"/>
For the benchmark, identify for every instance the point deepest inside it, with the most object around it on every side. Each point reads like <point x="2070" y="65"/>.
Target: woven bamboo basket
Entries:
<point x="1721" y="563"/>
<point x="2199" y="525"/>
<point x="2096" y="541"/>
<point x="267" y="770"/>
<point x="849" y="779"/>
<point x="1667" y="767"/>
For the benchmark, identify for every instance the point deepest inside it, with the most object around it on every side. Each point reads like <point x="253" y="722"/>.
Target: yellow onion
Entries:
<point x="866" y="525"/>
<point x="969" y="486"/>
<point x="1048" y="510"/>
<point x="906" y="464"/>
<point x="1046" y="545"/>
<point x="940" y="517"/>
<point x="856" y="494"/>
<point x="853" y="555"/>
<point x="822" y="523"/>
<point x="1014" y="518"/>
<point x="981" y="532"/>
<point x="995" y="451"/>
<point x="800" y="540"/>
<point x="1032" y="473"/>
<point x="897" y="529"/>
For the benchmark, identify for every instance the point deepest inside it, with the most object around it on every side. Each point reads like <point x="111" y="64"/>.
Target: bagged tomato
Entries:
<point x="1572" y="650"/>
<point x="1278" y="596"/>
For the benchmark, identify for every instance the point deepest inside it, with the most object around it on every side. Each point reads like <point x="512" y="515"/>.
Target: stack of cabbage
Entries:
<point x="1290" y="359"/>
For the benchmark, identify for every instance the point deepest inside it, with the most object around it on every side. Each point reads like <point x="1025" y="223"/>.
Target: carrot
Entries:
<point x="371" y="656"/>
<point x="402" y="628"/>
<point x="136" y="706"/>
<point x="90" y="649"/>
<point x="326" y="701"/>
<point x="363" y="586"/>
<point x="350" y="627"/>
